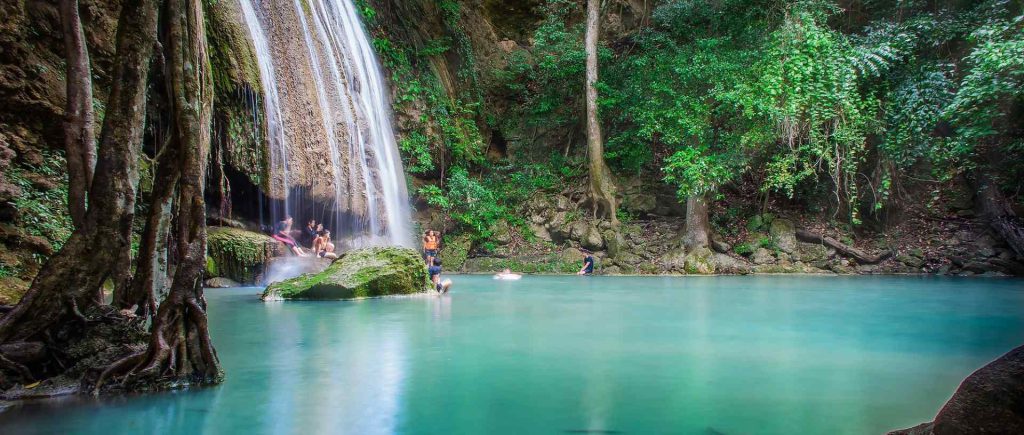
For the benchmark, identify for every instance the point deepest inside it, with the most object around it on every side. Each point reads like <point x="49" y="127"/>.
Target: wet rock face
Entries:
<point x="361" y="273"/>
<point x="989" y="401"/>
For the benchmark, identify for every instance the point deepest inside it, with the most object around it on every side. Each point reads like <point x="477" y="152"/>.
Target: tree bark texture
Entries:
<point x="150" y="279"/>
<point x="602" y="186"/>
<point x="72" y="278"/>
<point x="180" y="347"/>
<point x="698" y="229"/>
<point x="79" y="136"/>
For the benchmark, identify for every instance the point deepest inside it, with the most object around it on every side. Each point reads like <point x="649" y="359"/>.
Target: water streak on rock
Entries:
<point x="333" y="151"/>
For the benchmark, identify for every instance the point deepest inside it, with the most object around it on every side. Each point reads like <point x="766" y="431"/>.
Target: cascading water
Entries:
<point x="334" y="157"/>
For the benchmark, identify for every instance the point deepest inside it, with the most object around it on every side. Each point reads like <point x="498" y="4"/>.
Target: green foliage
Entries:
<point x="44" y="212"/>
<point x="988" y="97"/>
<point x="743" y="249"/>
<point x="683" y="107"/>
<point x="545" y="83"/>
<point x="808" y="87"/>
<point x="446" y="132"/>
<point x="467" y="202"/>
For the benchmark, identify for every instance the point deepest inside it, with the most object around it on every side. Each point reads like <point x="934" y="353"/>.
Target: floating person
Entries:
<point x="323" y="246"/>
<point x="282" y="233"/>
<point x="507" y="274"/>
<point x="431" y="241"/>
<point x="588" y="263"/>
<point x="435" y="277"/>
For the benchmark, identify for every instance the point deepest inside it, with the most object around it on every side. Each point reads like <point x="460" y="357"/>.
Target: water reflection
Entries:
<point x="767" y="355"/>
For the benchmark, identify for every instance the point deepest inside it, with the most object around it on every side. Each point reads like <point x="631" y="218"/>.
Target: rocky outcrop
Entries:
<point x="567" y="260"/>
<point x="239" y="139"/>
<point x="221" y="283"/>
<point x="239" y="255"/>
<point x="362" y="273"/>
<point x="989" y="401"/>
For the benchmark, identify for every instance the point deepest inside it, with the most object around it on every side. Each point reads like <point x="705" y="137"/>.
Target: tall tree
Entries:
<point x="180" y="348"/>
<point x="79" y="139"/>
<point x="71" y="279"/>
<point x="602" y="186"/>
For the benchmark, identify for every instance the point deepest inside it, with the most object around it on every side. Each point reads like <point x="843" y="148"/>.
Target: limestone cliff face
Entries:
<point x="239" y="132"/>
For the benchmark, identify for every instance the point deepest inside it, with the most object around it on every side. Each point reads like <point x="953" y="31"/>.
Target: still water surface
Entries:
<point x="550" y="355"/>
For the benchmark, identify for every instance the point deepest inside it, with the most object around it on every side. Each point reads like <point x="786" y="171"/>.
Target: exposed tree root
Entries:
<point x="844" y="249"/>
<point x="24" y="372"/>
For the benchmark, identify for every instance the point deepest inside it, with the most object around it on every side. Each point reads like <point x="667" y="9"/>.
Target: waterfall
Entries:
<point x="332" y="147"/>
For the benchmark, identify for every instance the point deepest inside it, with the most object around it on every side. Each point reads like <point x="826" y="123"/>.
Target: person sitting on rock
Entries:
<point x="435" y="273"/>
<point x="588" y="263"/>
<point x="431" y="241"/>
<point x="323" y="246"/>
<point x="309" y="234"/>
<point x="282" y="233"/>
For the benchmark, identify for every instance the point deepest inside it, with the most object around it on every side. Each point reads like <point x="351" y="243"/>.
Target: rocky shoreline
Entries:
<point x="557" y="227"/>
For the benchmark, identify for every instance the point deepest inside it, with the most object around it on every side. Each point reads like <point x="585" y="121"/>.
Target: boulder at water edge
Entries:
<point x="237" y="254"/>
<point x="360" y="273"/>
<point x="989" y="401"/>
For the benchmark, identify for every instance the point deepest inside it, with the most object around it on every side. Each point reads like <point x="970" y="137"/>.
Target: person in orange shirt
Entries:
<point x="431" y="241"/>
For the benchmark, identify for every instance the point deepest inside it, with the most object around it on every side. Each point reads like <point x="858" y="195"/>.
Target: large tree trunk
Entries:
<point x="72" y="278"/>
<point x="602" y="187"/>
<point x="698" y="228"/>
<point x="79" y="139"/>
<point x="995" y="209"/>
<point x="180" y="349"/>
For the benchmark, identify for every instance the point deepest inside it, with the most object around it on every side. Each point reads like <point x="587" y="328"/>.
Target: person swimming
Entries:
<point x="507" y="274"/>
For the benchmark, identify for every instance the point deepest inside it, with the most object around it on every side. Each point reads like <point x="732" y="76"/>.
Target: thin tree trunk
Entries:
<point x="698" y="229"/>
<point x="150" y="277"/>
<point x="71" y="279"/>
<point x="602" y="187"/>
<point x="79" y="137"/>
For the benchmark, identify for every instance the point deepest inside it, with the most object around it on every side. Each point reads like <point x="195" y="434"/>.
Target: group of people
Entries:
<point x="313" y="235"/>
<point x="431" y="245"/>
<point x="318" y="239"/>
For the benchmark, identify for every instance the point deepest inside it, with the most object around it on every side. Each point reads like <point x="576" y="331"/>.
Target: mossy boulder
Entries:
<point x="238" y="254"/>
<point x="783" y="233"/>
<point x="700" y="261"/>
<point x="361" y="273"/>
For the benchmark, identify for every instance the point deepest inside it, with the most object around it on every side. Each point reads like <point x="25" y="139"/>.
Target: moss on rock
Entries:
<point x="455" y="250"/>
<point x="361" y="273"/>
<point x="12" y="289"/>
<point x="238" y="254"/>
<point x="565" y="261"/>
<point x="701" y="261"/>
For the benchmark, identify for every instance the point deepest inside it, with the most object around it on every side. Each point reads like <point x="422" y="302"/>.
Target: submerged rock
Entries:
<point x="989" y="401"/>
<point x="361" y="273"/>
